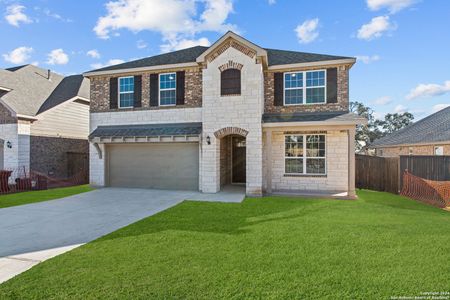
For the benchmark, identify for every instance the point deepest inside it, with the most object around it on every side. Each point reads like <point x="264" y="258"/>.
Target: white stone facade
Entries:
<point x="8" y="133"/>
<point x="336" y="178"/>
<point x="243" y="111"/>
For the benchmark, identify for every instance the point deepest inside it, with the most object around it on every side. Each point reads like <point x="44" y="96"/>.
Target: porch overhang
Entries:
<point x="146" y="133"/>
<point x="312" y="119"/>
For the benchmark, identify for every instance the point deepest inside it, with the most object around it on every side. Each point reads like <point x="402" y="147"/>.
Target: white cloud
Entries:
<point x="367" y="59"/>
<point x="56" y="16"/>
<point x="184" y="43"/>
<point x="400" y="109"/>
<point x="271" y="2"/>
<point x="175" y="20"/>
<point x="110" y="62"/>
<point x="383" y="100"/>
<point x="429" y="90"/>
<point x="141" y="44"/>
<point x="93" y="53"/>
<point x="439" y="107"/>
<point x="15" y="15"/>
<point x="307" y="31"/>
<point x="375" y="28"/>
<point x="19" y="55"/>
<point x="392" y="5"/>
<point x="57" y="57"/>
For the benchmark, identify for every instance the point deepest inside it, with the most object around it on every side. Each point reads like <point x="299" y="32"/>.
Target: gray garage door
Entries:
<point x="159" y="165"/>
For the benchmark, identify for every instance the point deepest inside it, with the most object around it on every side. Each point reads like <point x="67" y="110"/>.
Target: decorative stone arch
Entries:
<point x="230" y="130"/>
<point x="231" y="43"/>
<point x="230" y="65"/>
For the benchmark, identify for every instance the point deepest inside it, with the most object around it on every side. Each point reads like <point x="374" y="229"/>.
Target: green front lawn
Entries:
<point x="279" y="248"/>
<point x="39" y="196"/>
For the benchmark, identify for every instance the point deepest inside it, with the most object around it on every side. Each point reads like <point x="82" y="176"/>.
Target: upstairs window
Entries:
<point x="167" y="89"/>
<point x="126" y="92"/>
<point x="230" y="82"/>
<point x="304" y="87"/>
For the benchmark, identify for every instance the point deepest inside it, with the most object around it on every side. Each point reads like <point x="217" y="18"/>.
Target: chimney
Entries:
<point x="48" y="74"/>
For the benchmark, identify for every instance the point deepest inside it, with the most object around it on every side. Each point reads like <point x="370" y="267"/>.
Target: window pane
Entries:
<point x="126" y="84"/>
<point x="293" y="96"/>
<point x="315" y="166"/>
<point x="315" y="146"/>
<point x="127" y="100"/>
<point x="294" y="165"/>
<point x="167" y="81"/>
<point x="167" y="97"/>
<point x="294" y="146"/>
<point x="315" y="95"/>
<point x="316" y="78"/>
<point x="293" y="80"/>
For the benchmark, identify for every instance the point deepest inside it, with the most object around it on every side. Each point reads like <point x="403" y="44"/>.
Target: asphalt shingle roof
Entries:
<point x="189" y="55"/>
<point x="434" y="128"/>
<point x="147" y="130"/>
<point x="32" y="92"/>
<point x="340" y="116"/>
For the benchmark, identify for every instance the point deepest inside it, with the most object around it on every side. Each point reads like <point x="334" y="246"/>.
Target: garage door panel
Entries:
<point x="161" y="166"/>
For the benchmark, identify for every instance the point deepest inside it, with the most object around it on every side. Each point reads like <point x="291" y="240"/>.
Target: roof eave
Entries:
<point x="315" y="123"/>
<point x="141" y="69"/>
<point x="348" y="61"/>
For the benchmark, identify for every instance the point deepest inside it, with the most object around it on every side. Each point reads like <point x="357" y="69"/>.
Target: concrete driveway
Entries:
<point x="32" y="233"/>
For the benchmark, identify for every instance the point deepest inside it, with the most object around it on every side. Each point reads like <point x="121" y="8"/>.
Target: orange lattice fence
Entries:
<point x="436" y="193"/>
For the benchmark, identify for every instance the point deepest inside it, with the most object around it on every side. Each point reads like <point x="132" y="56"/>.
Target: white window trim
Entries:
<point x="170" y="89"/>
<point x="304" y="157"/>
<point x="304" y="88"/>
<point x="119" y="92"/>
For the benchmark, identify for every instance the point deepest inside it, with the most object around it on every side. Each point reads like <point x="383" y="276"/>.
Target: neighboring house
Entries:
<point x="232" y="113"/>
<point x="429" y="136"/>
<point x="44" y="118"/>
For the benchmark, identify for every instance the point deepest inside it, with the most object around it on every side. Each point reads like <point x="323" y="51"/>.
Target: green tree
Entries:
<point x="365" y="134"/>
<point x="395" y="122"/>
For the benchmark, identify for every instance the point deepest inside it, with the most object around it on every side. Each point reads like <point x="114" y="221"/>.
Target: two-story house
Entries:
<point x="232" y="113"/>
<point x="44" y="122"/>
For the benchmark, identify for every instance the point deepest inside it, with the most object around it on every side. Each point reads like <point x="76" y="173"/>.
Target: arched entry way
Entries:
<point x="233" y="155"/>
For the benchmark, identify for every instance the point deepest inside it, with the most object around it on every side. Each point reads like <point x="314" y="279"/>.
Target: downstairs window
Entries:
<point x="305" y="154"/>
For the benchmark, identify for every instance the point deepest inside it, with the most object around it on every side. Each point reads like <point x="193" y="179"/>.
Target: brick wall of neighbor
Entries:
<point x="416" y="150"/>
<point x="336" y="179"/>
<point x="341" y="105"/>
<point x="193" y="91"/>
<point x="5" y="116"/>
<point x="49" y="154"/>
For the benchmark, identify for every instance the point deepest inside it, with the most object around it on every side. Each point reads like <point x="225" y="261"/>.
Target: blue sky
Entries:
<point x="403" y="46"/>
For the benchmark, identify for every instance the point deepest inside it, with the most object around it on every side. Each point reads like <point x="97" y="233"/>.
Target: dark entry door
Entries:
<point x="239" y="160"/>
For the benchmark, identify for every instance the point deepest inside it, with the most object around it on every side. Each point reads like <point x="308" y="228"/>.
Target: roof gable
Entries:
<point x="239" y="43"/>
<point x="34" y="90"/>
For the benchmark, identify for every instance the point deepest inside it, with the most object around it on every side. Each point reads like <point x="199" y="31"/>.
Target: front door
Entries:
<point x="238" y="160"/>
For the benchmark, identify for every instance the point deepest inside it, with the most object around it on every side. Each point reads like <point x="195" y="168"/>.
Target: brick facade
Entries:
<point x="49" y="154"/>
<point x="193" y="91"/>
<point x="411" y="150"/>
<point x="5" y="116"/>
<point x="342" y="94"/>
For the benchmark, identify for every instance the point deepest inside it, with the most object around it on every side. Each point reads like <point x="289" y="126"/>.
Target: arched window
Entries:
<point x="230" y="82"/>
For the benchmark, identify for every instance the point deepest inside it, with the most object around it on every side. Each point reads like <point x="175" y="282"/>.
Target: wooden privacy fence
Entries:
<point x="435" y="168"/>
<point x="377" y="173"/>
<point x="386" y="173"/>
